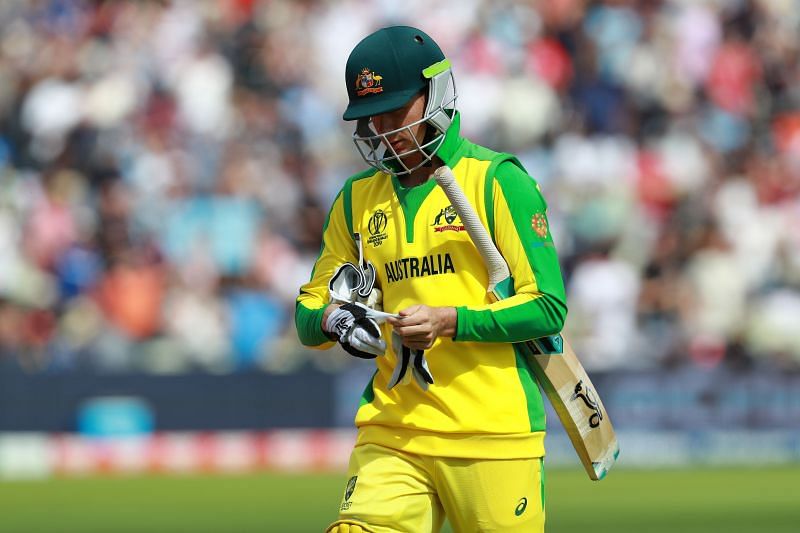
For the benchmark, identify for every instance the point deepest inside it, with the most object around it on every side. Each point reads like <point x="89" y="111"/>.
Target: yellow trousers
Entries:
<point x="392" y="491"/>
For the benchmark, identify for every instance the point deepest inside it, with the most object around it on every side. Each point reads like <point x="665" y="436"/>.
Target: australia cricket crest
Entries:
<point x="449" y="215"/>
<point x="368" y="82"/>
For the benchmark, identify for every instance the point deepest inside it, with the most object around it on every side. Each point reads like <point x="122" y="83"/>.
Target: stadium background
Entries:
<point x="165" y="169"/>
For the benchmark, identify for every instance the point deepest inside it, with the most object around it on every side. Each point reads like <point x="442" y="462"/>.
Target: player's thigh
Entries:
<point x="389" y="490"/>
<point x="492" y="495"/>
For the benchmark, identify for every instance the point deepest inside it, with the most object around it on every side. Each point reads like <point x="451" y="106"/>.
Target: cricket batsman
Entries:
<point x="452" y="423"/>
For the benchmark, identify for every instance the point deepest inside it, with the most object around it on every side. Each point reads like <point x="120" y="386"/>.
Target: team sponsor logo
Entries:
<point x="539" y="224"/>
<point x="348" y="491"/>
<point x="351" y="487"/>
<point x="417" y="267"/>
<point x="377" y="228"/>
<point x="521" y="506"/>
<point x="587" y="395"/>
<point x="368" y="82"/>
<point x="444" y="221"/>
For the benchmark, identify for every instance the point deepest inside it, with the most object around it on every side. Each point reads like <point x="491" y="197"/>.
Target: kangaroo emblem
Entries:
<point x="588" y="398"/>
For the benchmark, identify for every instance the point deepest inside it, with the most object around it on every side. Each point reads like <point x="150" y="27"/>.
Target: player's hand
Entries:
<point x="358" y="334"/>
<point x="420" y="325"/>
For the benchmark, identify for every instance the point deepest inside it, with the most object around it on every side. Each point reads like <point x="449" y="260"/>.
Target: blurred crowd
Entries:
<point x="166" y="168"/>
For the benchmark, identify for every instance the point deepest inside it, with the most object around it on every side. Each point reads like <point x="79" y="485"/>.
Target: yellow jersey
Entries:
<point x="485" y="402"/>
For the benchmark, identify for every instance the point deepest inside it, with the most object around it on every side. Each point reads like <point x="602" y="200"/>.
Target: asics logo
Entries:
<point x="523" y="503"/>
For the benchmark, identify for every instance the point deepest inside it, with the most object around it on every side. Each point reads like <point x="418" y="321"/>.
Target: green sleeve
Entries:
<point x="309" y="325"/>
<point x="536" y="306"/>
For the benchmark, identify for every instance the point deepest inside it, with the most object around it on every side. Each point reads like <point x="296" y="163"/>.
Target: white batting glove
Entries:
<point x="350" y="284"/>
<point x="357" y="332"/>
<point x="345" y="283"/>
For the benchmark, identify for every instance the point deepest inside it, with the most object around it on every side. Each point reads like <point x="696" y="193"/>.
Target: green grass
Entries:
<point x="750" y="500"/>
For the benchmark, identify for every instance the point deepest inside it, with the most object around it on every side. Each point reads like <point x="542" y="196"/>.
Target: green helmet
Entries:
<point x="386" y="70"/>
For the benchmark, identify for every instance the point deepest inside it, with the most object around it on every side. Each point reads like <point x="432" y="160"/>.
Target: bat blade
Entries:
<point x="579" y="407"/>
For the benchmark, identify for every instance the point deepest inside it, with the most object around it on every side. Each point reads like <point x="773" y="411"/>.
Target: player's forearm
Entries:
<point x="309" y="322"/>
<point x="448" y="321"/>
<point x="524" y="319"/>
<point x="328" y="310"/>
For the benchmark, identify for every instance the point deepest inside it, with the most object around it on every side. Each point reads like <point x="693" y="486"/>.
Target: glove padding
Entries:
<point x="357" y="331"/>
<point x="413" y="359"/>
<point x="351" y="284"/>
<point x="356" y="283"/>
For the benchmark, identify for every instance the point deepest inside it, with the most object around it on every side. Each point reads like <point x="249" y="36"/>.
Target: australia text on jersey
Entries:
<point x="413" y="267"/>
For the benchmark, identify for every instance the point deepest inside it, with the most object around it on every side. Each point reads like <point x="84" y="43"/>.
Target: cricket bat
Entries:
<point x="557" y="368"/>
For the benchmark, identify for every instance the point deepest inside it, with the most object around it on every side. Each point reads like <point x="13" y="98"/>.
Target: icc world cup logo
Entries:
<point x="377" y="223"/>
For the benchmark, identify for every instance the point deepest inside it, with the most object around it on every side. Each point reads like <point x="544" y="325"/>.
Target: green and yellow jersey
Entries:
<point x="485" y="402"/>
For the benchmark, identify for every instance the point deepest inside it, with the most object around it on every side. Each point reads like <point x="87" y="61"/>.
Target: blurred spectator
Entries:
<point x="165" y="169"/>
<point x="131" y="295"/>
<point x="602" y="298"/>
<point x="256" y="321"/>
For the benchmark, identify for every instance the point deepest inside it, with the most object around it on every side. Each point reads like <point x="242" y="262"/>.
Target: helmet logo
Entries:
<point x="368" y="82"/>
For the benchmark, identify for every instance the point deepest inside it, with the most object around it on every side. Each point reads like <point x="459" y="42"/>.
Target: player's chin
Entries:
<point x="411" y="160"/>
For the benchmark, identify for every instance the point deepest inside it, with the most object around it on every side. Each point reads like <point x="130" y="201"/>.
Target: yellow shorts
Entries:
<point x="393" y="491"/>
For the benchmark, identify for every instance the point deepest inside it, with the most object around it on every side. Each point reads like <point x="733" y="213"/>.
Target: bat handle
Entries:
<point x="495" y="264"/>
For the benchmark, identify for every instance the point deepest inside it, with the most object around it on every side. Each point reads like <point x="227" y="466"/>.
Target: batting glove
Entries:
<point x="345" y="284"/>
<point x="414" y="360"/>
<point x="350" y="284"/>
<point x="357" y="331"/>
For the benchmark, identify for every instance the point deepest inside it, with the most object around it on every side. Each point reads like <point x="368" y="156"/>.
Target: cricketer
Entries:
<point x="463" y="439"/>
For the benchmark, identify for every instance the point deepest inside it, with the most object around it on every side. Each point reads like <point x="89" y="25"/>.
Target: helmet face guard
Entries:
<point x="437" y="116"/>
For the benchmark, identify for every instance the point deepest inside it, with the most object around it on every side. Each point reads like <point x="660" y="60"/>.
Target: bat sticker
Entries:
<point x="591" y="403"/>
